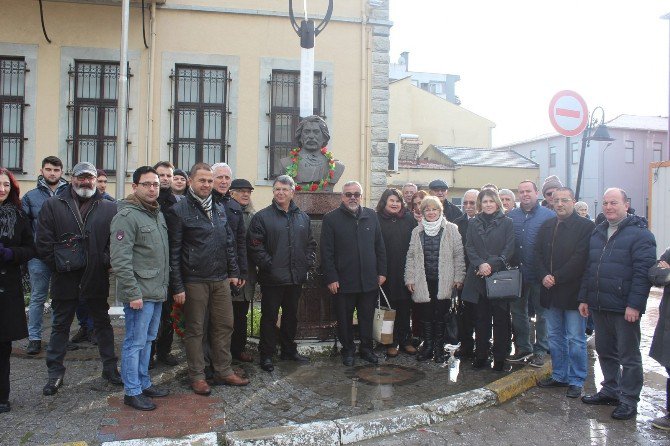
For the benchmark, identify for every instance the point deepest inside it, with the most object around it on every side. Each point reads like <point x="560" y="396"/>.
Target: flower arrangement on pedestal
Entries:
<point x="292" y="171"/>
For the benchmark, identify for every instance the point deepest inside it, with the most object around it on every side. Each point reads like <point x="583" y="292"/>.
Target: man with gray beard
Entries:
<point x="73" y="240"/>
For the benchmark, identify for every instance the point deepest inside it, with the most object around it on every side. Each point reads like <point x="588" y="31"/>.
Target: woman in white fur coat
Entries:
<point x="435" y="267"/>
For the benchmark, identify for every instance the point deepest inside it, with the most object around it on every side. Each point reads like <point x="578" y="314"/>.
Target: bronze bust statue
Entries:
<point x="312" y="166"/>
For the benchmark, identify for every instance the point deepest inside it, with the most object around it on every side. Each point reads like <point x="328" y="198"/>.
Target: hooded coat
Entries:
<point x="660" y="345"/>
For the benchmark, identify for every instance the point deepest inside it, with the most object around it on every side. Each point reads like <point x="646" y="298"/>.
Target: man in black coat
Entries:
<point x="203" y="266"/>
<point x="77" y="221"/>
<point x="561" y="251"/>
<point x="440" y="189"/>
<point x="282" y="247"/>
<point x="353" y="258"/>
<point x="162" y="346"/>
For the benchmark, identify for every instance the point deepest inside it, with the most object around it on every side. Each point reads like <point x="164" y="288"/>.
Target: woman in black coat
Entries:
<point x="396" y="223"/>
<point x="16" y="247"/>
<point x="489" y="244"/>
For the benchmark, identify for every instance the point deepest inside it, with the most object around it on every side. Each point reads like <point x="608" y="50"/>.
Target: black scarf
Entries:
<point x="7" y="220"/>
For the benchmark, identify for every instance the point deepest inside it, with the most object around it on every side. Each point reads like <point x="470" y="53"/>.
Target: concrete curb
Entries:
<point x="363" y="427"/>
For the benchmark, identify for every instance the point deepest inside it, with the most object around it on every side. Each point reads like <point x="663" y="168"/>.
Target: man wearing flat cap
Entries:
<point x="240" y="191"/>
<point x="440" y="189"/>
<point x="73" y="240"/>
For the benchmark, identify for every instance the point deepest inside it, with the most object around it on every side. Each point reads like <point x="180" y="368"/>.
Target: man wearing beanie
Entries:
<point x="548" y="187"/>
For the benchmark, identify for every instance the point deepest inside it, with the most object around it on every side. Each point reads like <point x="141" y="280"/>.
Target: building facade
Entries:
<point x="624" y="162"/>
<point x="209" y="80"/>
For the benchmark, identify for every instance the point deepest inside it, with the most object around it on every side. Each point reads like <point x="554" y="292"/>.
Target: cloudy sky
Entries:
<point x="513" y="56"/>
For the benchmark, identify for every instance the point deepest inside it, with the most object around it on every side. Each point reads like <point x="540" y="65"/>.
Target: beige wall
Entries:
<point x="246" y="40"/>
<point x="436" y="121"/>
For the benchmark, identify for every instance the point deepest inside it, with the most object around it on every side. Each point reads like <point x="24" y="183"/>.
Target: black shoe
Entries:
<point x="266" y="364"/>
<point x="550" y="382"/>
<point x="368" y="356"/>
<point x="624" y="412"/>
<point x="152" y="363"/>
<point x="5" y="407"/>
<point x="92" y="338"/>
<point x="71" y="346"/>
<point x="426" y="349"/>
<point x="112" y="376"/>
<point x="588" y="331"/>
<point x="295" y="356"/>
<point x="168" y="359"/>
<point x="348" y="361"/>
<point x="480" y="363"/>
<point x="464" y="354"/>
<point x="34" y="347"/>
<point x="155" y="392"/>
<point x="519" y="357"/>
<point x="81" y="335"/>
<point x="600" y="400"/>
<point x="139" y="402"/>
<point x="498" y="366"/>
<point x="574" y="392"/>
<point x="52" y="386"/>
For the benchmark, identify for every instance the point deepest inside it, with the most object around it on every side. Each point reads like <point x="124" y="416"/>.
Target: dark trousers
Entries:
<point x="416" y="322"/>
<point x="467" y="319"/>
<point x="401" y="330"/>
<point x="239" y="340"/>
<point x="63" y="314"/>
<point x="618" y="348"/>
<point x="344" y="305"/>
<point x="274" y="297"/>
<point x="83" y="316"/>
<point x="435" y="310"/>
<point x="492" y="316"/>
<point x="162" y="346"/>
<point x="667" y="391"/>
<point x="5" y="352"/>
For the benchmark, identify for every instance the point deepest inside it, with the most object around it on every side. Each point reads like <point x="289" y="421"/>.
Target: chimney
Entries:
<point x="404" y="59"/>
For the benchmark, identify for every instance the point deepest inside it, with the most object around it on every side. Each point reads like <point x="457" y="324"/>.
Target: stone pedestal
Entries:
<point x="316" y="319"/>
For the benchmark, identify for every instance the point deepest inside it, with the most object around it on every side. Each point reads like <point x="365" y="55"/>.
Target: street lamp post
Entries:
<point x="601" y="134"/>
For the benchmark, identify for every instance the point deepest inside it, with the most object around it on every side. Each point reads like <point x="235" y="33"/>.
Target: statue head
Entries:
<point x="312" y="133"/>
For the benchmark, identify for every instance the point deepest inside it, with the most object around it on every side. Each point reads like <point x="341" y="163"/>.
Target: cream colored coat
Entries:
<point x="451" y="267"/>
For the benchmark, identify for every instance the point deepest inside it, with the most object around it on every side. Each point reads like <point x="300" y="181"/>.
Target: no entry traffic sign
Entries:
<point x="568" y="113"/>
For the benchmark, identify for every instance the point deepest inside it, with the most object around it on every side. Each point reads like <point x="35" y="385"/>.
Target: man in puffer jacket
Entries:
<point x="614" y="289"/>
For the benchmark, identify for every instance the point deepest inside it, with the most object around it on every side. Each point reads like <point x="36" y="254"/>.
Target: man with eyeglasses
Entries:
<point x="282" y="247"/>
<point x="408" y="191"/>
<point x="527" y="221"/>
<point x="440" y="189"/>
<point x="353" y="259"/>
<point x="203" y="266"/>
<point x="73" y="240"/>
<point x="140" y="260"/>
<point x="467" y="311"/>
<point x="614" y="289"/>
<point x="561" y="251"/>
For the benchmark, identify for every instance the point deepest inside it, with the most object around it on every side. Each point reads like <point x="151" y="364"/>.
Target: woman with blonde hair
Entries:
<point x="435" y="267"/>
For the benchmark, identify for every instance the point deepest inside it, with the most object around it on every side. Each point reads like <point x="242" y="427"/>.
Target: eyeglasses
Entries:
<point x="469" y="202"/>
<point x="352" y="194"/>
<point x="149" y="185"/>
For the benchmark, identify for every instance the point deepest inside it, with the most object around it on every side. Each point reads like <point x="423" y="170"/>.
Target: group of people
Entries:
<point x="198" y="244"/>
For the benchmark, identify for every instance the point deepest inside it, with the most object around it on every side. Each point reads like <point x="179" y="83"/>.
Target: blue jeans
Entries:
<point x="40" y="276"/>
<point x="521" y="322"/>
<point x="567" y="343"/>
<point x="141" y="329"/>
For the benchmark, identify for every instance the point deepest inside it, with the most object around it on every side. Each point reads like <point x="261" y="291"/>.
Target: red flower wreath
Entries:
<point x="177" y="316"/>
<point x="292" y="170"/>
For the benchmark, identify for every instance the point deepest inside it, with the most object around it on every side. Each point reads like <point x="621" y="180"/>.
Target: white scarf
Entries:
<point x="432" y="228"/>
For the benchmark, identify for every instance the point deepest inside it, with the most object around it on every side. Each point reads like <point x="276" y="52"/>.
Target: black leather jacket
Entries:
<point x="236" y="223"/>
<point x="281" y="245"/>
<point x="201" y="250"/>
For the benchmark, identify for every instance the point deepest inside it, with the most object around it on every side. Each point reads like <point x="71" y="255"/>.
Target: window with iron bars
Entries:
<point x="199" y="115"/>
<point x="284" y="114"/>
<point x="93" y="114"/>
<point x="12" y="104"/>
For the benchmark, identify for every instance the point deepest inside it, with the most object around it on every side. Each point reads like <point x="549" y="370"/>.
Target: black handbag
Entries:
<point x="505" y="284"/>
<point x="451" y="321"/>
<point x="70" y="253"/>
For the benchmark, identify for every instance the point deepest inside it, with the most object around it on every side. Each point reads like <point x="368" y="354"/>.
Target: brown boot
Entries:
<point x="392" y="352"/>
<point x="201" y="387"/>
<point x="230" y="380"/>
<point x="245" y="357"/>
<point x="409" y="349"/>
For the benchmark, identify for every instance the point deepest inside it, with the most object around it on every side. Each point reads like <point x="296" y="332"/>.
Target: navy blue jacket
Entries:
<point x="616" y="272"/>
<point x="32" y="201"/>
<point x="352" y="250"/>
<point x="526" y="227"/>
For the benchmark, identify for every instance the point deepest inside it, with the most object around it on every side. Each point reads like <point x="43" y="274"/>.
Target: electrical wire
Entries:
<point x="144" y="35"/>
<point x="44" y="30"/>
